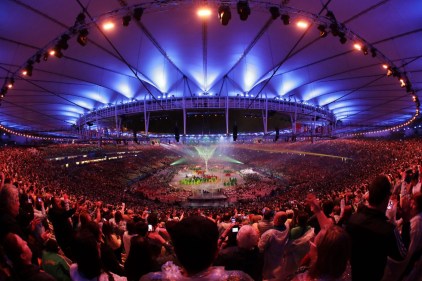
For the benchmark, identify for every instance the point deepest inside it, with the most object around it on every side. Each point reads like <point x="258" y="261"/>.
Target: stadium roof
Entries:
<point x="160" y="50"/>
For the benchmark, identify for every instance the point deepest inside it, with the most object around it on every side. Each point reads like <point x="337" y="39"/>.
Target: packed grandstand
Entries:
<point x="254" y="194"/>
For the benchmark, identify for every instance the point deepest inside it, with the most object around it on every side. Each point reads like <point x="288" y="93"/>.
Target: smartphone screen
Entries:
<point x="235" y="229"/>
<point x="149" y="227"/>
<point x="390" y="205"/>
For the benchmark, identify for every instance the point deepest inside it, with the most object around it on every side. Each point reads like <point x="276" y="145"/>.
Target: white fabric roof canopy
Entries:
<point x="172" y="51"/>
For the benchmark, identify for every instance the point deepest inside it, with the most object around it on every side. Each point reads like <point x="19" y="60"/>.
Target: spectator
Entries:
<point x="225" y="223"/>
<point x="272" y="244"/>
<point x="108" y="259"/>
<point x="53" y="263"/>
<point x="142" y="258"/>
<point x="128" y="234"/>
<point x="373" y="237"/>
<point x="327" y="208"/>
<point x="413" y="260"/>
<point x="302" y="226"/>
<point x="266" y="222"/>
<point x="411" y="267"/>
<point x="118" y="223"/>
<point x="60" y="218"/>
<point x="290" y="216"/>
<point x="329" y="253"/>
<point x="245" y="256"/>
<point x="20" y="255"/>
<point x="112" y="240"/>
<point x="195" y="244"/>
<point x="9" y="210"/>
<point x="88" y="264"/>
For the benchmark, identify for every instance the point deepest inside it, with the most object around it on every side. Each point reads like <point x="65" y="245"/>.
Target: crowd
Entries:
<point x="337" y="219"/>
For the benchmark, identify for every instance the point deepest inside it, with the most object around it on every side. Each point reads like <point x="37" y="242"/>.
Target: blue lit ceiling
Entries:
<point x="173" y="52"/>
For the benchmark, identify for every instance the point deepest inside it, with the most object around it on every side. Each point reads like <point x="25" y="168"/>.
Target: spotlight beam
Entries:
<point x="251" y="45"/>
<point x="120" y="55"/>
<point x="205" y="53"/>
<point x="289" y="54"/>
<point x="156" y="44"/>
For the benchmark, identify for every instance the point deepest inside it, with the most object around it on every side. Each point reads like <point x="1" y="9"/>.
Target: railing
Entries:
<point x="137" y="107"/>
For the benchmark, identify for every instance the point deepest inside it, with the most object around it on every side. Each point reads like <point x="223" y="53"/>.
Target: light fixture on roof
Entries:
<point x="126" y="20"/>
<point x="137" y="13"/>
<point x="302" y="24"/>
<point x="204" y="12"/>
<point x="275" y="12"/>
<point x="365" y="50"/>
<point x="343" y="38"/>
<point x="334" y="29"/>
<point x="38" y="57"/>
<point x="27" y="71"/>
<point x="109" y="25"/>
<point x="395" y="72"/>
<point x="357" y="46"/>
<point x="57" y="52"/>
<point x="62" y="43"/>
<point x="389" y="71"/>
<point x="10" y="83"/>
<point x="322" y="31"/>
<point x="243" y="10"/>
<point x="3" y="92"/>
<point x="408" y="86"/>
<point x="224" y="14"/>
<point x="373" y="52"/>
<point x="80" y="19"/>
<point x="331" y="16"/>
<point x="402" y="83"/>
<point x="82" y="38"/>
<point x="285" y="19"/>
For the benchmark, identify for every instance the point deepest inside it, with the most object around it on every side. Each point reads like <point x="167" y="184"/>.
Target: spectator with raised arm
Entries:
<point x="88" y="264"/>
<point x="63" y="229"/>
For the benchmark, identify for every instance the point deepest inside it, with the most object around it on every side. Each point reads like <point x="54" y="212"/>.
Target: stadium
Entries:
<point x="210" y="140"/>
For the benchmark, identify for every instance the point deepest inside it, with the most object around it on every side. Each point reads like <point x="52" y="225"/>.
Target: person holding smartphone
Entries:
<point x="154" y="232"/>
<point x="245" y="256"/>
<point x="229" y="237"/>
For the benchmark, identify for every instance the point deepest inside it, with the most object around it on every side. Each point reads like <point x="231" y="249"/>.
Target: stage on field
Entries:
<point x="206" y="184"/>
